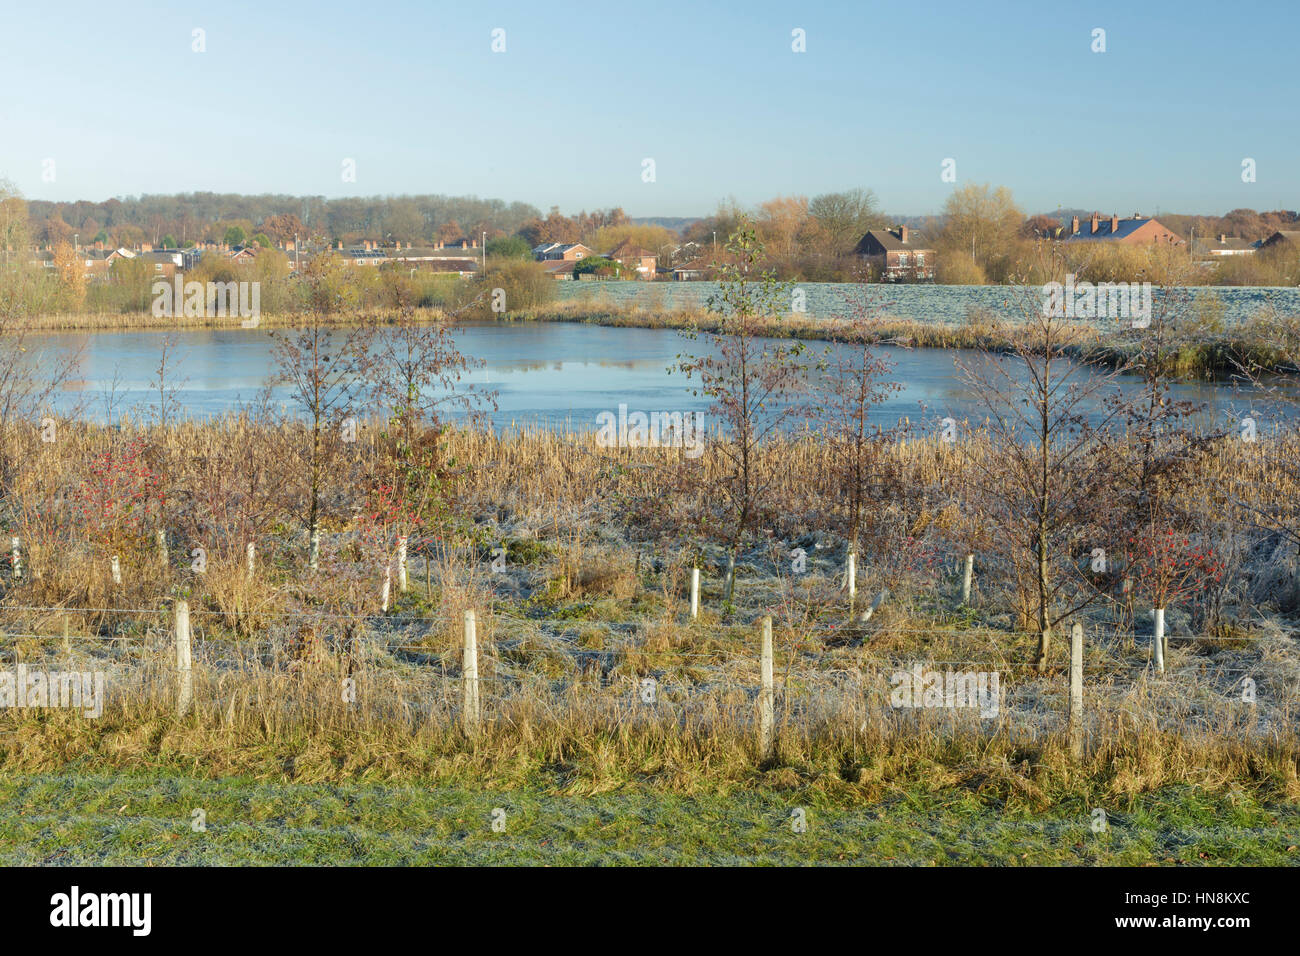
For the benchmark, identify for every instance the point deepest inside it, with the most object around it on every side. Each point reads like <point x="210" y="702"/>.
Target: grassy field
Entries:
<point x="70" y="819"/>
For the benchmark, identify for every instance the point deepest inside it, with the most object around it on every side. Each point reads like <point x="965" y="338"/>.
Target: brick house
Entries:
<point x="1132" y="231"/>
<point x="569" y="251"/>
<point x="634" y="259"/>
<point x="898" y="253"/>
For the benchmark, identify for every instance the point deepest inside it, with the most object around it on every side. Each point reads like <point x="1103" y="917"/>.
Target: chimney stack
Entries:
<point x="1114" y="223"/>
<point x="1074" y="226"/>
<point x="902" y="234"/>
<point x="1095" y="219"/>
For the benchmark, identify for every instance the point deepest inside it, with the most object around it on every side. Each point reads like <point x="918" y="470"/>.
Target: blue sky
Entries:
<point x="712" y="92"/>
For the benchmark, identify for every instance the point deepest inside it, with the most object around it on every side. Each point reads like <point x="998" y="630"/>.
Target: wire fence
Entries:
<point x="473" y="669"/>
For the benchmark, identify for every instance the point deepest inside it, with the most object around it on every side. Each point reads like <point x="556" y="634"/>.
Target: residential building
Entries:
<point x="640" y="262"/>
<point x="1222" y="245"/>
<point x="899" y="254"/>
<point x="1131" y="231"/>
<point x="559" y="268"/>
<point x="1282" y="237"/>
<point x="690" y="271"/>
<point x="571" y="251"/>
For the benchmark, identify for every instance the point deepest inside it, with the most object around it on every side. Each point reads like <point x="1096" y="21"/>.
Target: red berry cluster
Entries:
<point x="118" y="492"/>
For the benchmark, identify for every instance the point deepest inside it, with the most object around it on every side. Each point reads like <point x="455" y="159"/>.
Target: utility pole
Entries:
<point x="485" y="255"/>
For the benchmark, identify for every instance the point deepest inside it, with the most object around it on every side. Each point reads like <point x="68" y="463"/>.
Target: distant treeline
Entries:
<point x="194" y="217"/>
<point x="980" y="237"/>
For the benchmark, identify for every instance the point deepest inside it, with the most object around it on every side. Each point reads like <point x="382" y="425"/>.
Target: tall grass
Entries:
<point x="591" y="605"/>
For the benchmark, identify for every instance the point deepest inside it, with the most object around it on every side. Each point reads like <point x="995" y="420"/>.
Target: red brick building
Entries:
<point x="1137" y="229"/>
<point x="898" y="254"/>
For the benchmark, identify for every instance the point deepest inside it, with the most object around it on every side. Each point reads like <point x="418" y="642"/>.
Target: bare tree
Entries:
<point x="754" y="382"/>
<point x="853" y="384"/>
<point x="324" y="368"/>
<point x="421" y="377"/>
<point x="1039" y="474"/>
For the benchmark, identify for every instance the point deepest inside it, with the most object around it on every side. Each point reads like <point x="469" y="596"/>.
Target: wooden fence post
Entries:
<point x="1076" y="691"/>
<point x="313" y="550"/>
<point x="116" y="569"/>
<point x="251" y="556"/>
<point x="160" y="536"/>
<point x="729" y="585"/>
<point x="967" y="569"/>
<point x="469" y="671"/>
<point x="386" y="589"/>
<point x="695" y="593"/>
<point x="401" y="564"/>
<point x="766" y="717"/>
<point x="1158" y="642"/>
<point x="185" y="685"/>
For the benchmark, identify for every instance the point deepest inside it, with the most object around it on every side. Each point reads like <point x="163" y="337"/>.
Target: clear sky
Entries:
<point x="712" y="92"/>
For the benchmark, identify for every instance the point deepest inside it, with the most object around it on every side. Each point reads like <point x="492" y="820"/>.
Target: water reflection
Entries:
<point x="558" y="374"/>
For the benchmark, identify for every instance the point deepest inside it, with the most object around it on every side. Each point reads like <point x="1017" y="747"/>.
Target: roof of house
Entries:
<point x="1126" y="227"/>
<point x="626" y="250"/>
<point x="554" y="248"/>
<point x="164" y="255"/>
<point x="1284" y="235"/>
<point x="428" y="252"/>
<point x="97" y="254"/>
<point x="559" y="265"/>
<point x="695" y="265"/>
<point x="891" y="240"/>
<point x="1234" y="243"/>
